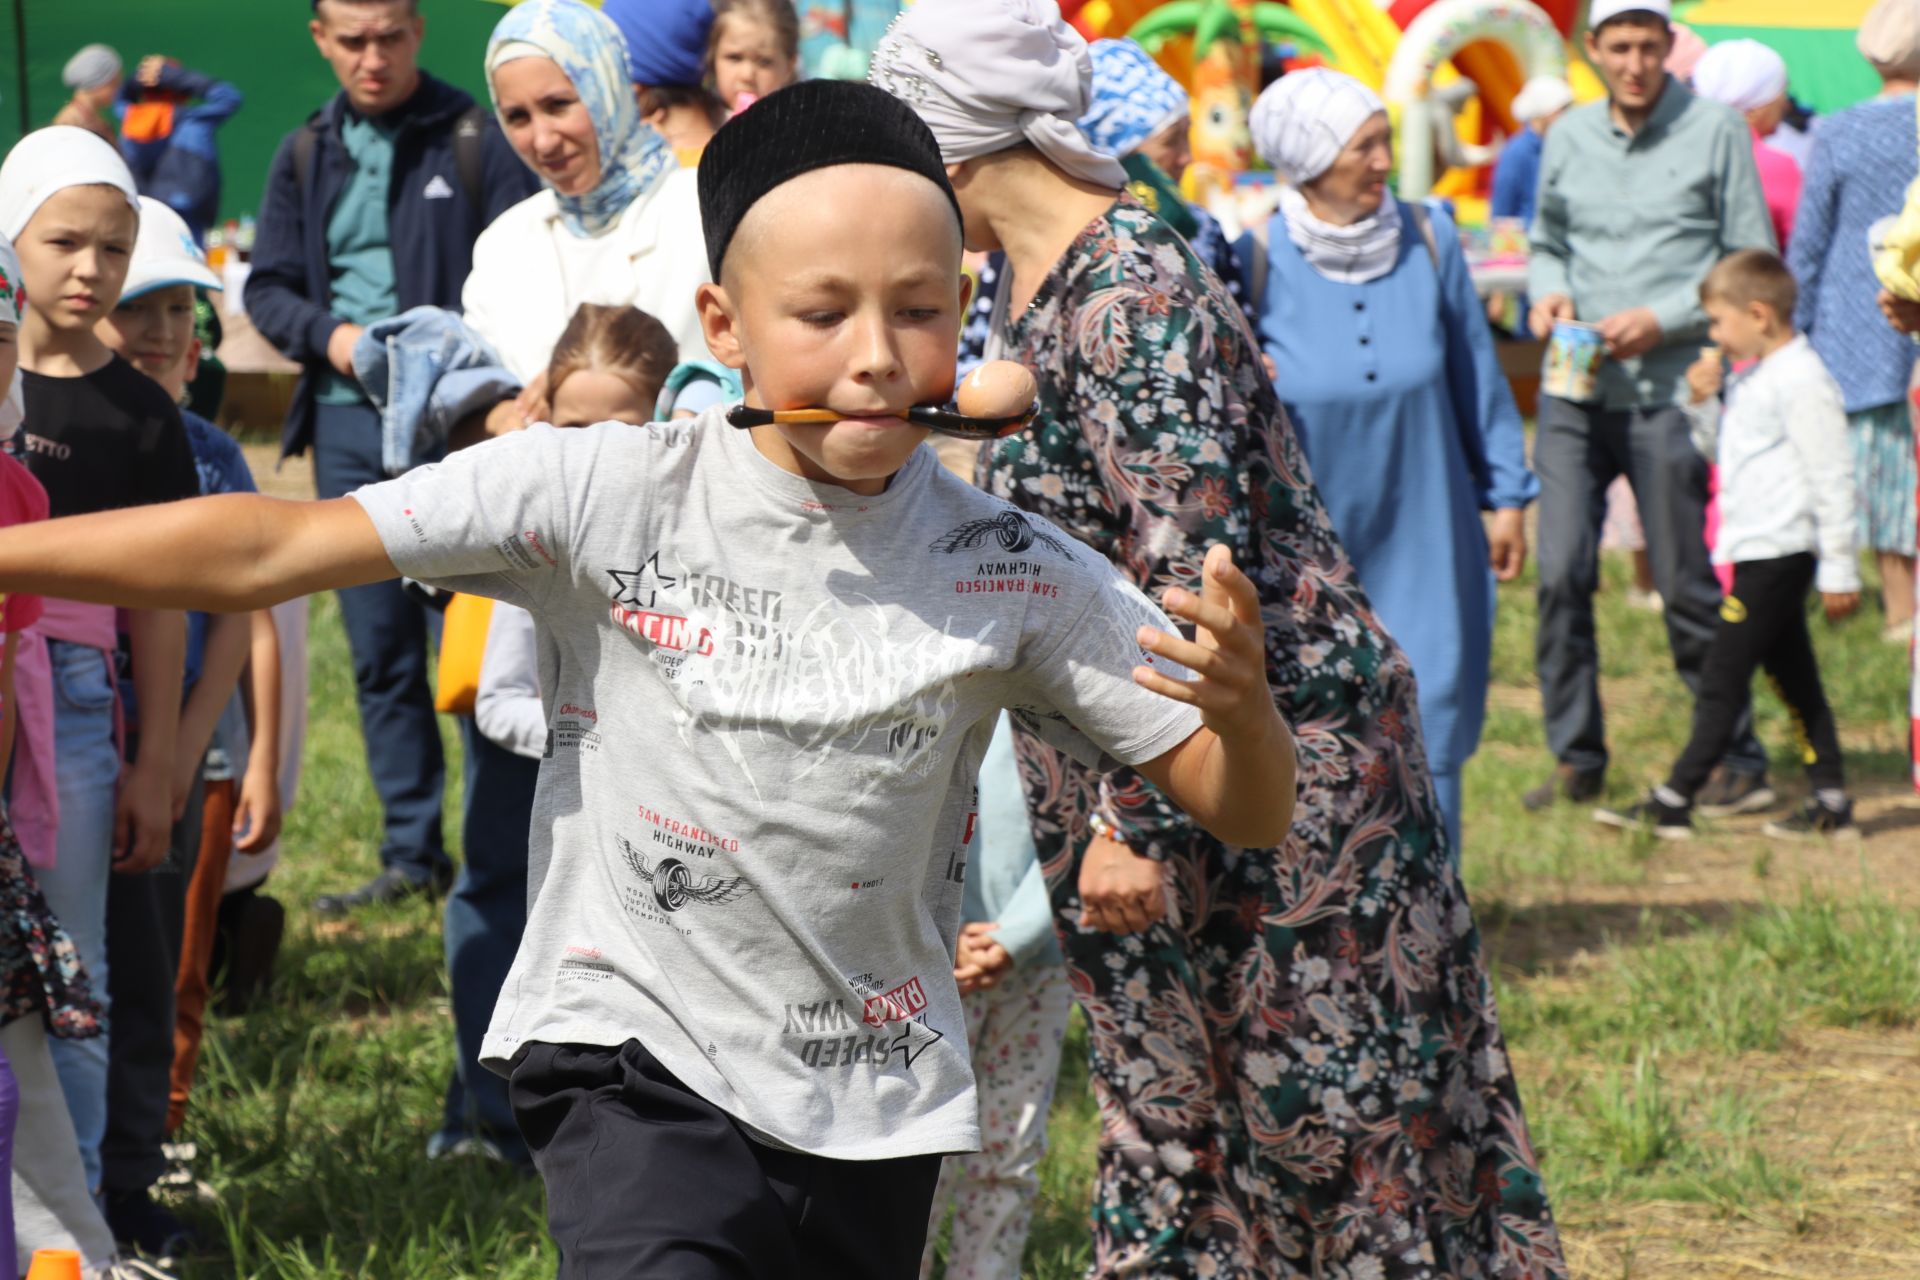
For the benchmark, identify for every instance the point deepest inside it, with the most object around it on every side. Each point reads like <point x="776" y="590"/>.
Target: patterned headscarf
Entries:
<point x="1133" y="98"/>
<point x="987" y="75"/>
<point x="589" y="50"/>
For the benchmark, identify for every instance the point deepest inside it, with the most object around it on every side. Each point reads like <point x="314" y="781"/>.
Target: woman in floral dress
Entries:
<point x="1299" y="1067"/>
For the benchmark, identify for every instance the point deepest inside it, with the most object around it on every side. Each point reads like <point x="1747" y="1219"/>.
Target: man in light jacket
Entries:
<point x="372" y="207"/>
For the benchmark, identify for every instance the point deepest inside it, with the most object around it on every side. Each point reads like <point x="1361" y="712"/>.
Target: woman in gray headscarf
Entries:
<point x="1295" y="1051"/>
<point x="94" y="75"/>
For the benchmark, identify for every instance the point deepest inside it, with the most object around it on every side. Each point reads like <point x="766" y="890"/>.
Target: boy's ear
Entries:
<point x="966" y="291"/>
<point x="720" y="323"/>
<point x="191" y="368"/>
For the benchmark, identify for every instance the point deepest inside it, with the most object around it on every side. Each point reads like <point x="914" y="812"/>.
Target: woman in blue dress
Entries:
<point x="1387" y="368"/>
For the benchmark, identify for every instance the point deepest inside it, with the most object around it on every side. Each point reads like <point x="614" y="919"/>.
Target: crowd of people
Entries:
<point x="810" y="782"/>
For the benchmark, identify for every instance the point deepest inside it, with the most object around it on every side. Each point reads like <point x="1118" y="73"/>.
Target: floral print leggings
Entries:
<point x="1015" y="1030"/>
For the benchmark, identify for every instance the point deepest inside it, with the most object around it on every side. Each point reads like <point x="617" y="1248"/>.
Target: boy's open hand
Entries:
<point x="1705" y="376"/>
<point x="1228" y="653"/>
<point x="1839" y="604"/>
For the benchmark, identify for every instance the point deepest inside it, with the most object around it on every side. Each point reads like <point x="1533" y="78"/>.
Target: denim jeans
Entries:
<point x="390" y="636"/>
<point x="485" y="916"/>
<point x="87" y="768"/>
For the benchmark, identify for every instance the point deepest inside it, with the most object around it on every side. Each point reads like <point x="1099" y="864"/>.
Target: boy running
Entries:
<point x="771" y="665"/>
<point x="1786" y="505"/>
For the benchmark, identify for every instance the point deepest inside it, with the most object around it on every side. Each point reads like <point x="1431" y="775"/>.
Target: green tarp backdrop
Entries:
<point x="260" y="45"/>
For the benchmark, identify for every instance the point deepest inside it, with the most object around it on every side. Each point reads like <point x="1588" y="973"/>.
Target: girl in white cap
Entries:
<point x="1253" y="1034"/>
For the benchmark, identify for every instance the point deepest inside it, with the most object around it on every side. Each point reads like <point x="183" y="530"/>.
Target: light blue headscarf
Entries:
<point x="1132" y="98"/>
<point x="586" y="45"/>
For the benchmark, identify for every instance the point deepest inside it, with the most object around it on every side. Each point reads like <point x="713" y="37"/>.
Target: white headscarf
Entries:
<point x="1300" y="125"/>
<point x="1302" y="121"/>
<point x="12" y="303"/>
<point x="1742" y="74"/>
<point x="47" y="162"/>
<point x="1541" y="97"/>
<point x="986" y="75"/>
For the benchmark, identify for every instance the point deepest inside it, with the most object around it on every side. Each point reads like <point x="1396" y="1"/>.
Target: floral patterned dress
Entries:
<point x="1300" y="1072"/>
<point x="40" y="971"/>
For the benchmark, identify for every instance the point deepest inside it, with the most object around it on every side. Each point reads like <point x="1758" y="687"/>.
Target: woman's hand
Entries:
<point x="1228" y="653"/>
<point x="979" y="961"/>
<point x="1900" y="313"/>
<point x="1547" y="312"/>
<point x="1120" y="891"/>
<point x="1507" y="543"/>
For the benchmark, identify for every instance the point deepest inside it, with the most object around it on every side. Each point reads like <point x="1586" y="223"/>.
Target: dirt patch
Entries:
<point x="1841" y="1112"/>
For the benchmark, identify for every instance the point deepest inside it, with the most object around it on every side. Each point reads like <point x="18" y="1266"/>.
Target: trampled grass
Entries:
<point x="1714" y="1041"/>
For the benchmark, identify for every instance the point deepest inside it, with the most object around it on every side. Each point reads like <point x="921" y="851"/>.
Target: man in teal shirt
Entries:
<point x="1639" y="196"/>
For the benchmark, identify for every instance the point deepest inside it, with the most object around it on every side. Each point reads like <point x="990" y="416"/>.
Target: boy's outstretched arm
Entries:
<point x="1235" y="775"/>
<point x="221" y="554"/>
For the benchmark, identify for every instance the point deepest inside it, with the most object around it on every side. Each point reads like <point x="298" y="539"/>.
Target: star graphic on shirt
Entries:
<point x="638" y="587"/>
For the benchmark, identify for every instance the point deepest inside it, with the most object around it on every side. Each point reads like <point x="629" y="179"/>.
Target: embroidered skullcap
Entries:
<point x="1540" y="97"/>
<point x="1742" y="74"/>
<point x="814" y="124"/>
<point x="47" y="162"/>
<point x="1605" y="11"/>
<point x="986" y="75"/>
<point x="1133" y="98"/>
<point x="666" y="39"/>
<point x="1302" y="121"/>
<point x="590" y="52"/>
<point x="1889" y="38"/>
<point x="93" y="67"/>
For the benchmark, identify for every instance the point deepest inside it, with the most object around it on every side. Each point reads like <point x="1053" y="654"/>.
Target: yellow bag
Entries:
<point x="463" y="642"/>
<point x="1897" y="261"/>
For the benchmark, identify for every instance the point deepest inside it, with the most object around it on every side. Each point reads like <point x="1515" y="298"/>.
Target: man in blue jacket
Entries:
<point x="168" y="117"/>
<point x="371" y="208"/>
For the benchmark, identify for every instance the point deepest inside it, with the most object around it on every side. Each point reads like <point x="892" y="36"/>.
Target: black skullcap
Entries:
<point x="810" y="125"/>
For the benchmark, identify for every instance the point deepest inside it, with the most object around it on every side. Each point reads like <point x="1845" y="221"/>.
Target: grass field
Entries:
<point x="1717" y="1043"/>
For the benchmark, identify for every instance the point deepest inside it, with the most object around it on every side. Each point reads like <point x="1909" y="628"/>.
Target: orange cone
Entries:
<point x="54" y="1264"/>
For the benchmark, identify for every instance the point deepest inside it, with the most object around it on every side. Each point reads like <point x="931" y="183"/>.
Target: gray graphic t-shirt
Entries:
<point x="767" y="701"/>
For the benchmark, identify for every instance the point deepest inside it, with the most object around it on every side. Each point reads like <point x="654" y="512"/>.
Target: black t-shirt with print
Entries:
<point x="106" y="440"/>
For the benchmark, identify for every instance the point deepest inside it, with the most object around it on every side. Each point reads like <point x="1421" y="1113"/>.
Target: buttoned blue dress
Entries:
<point x="1396" y="393"/>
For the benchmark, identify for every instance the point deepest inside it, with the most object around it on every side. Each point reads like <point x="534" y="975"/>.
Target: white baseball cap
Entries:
<point x="165" y="254"/>
<point x="1605" y="11"/>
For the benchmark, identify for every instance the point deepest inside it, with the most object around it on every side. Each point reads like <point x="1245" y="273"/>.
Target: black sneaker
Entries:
<point x="1729" y="793"/>
<point x="141" y="1225"/>
<point x="1566" y="783"/>
<point x="1814" y="821"/>
<point x="391" y="885"/>
<point x="1652" y="815"/>
<point x="251" y="950"/>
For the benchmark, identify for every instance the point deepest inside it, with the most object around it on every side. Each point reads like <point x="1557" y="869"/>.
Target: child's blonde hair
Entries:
<point x="623" y="341"/>
<point x="1747" y="276"/>
<point x="777" y="16"/>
